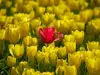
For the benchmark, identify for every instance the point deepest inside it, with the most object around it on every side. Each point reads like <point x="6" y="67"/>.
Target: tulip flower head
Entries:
<point x="48" y="35"/>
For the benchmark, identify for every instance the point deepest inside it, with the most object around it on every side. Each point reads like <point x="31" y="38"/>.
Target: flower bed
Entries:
<point x="49" y="37"/>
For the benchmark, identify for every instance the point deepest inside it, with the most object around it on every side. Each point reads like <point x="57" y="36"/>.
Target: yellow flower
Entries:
<point x="62" y="52"/>
<point x="11" y="61"/>
<point x="61" y="62"/>
<point x="31" y="52"/>
<point x="35" y="23"/>
<point x="79" y="36"/>
<point x="22" y="66"/>
<point x="12" y="34"/>
<point x="17" y="50"/>
<point x="40" y="10"/>
<point x="2" y="47"/>
<point x="70" y="47"/>
<point x="14" y="71"/>
<point x="92" y="45"/>
<point x="24" y="29"/>
<point x="47" y="18"/>
<point x="28" y="72"/>
<point x="70" y="70"/>
<point x="96" y="12"/>
<point x="49" y="9"/>
<point x="86" y="15"/>
<point x="60" y="70"/>
<point x="13" y="10"/>
<point x="68" y="38"/>
<point x="92" y="65"/>
<point x="75" y="59"/>
<point x="27" y="41"/>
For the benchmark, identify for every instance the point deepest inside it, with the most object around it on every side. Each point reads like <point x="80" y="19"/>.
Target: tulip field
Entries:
<point x="49" y="37"/>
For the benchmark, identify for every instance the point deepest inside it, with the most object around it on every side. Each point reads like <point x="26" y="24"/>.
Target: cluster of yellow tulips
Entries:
<point x="50" y="37"/>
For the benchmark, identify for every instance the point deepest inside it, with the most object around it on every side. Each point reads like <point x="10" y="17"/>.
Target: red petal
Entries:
<point x="41" y="33"/>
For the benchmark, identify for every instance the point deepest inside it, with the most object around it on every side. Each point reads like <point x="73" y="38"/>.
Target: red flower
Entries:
<point x="48" y="35"/>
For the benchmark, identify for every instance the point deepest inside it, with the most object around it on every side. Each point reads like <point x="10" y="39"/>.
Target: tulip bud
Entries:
<point x="40" y="10"/>
<point x="70" y="70"/>
<point x="27" y="41"/>
<point x="86" y="15"/>
<point x="92" y="65"/>
<point x="31" y="52"/>
<point x="68" y="38"/>
<point x="92" y="45"/>
<point x="48" y="18"/>
<point x="24" y="29"/>
<point x="17" y="50"/>
<point x="49" y="9"/>
<point x="70" y="47"/>
<point x="88" y="54"/>
<point x="35" y="23"/>
<point x="28" y="72"/>
<point x="60" y="70"/>
<point x="14" y="71"/>
<point x="96" y="12"/>
<point x="79" y="36"/>
<point x="12" y="34"/>
<point x="23" y="65"/>
<point x="93" y="27"/>
<point x="75" y="59"/>
<point x="13" y="10"/>
<point x="61" y="62"/>
<point x="34" y="41"/>
<point x="62" y="52"/>
<point x="11" y="61"/>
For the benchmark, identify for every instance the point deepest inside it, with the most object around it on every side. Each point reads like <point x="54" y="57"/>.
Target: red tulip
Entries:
<point x="48" y="35"/>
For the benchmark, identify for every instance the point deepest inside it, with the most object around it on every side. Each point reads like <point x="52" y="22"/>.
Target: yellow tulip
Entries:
<point x="17" y="50"/>
<point x="60" y="70"/>
<point x="86" y="15"/>
<point x="14" y="71"/>
<point x="68" y="38"/>
<point x="70" y="70"/>
<point x="28" y="72"/>
<point x="31" y="52"/>
<point x="35" y="23"/>
<point x="12" y="34"/>
<point x="96" y="12"/>
<point x="92" y="45"/>
<point x="92" y="65"/>
<point x="75" y="59"/>
<point x="61" y="62"/>
<point x="79" y="36"/>
<point x="23" y="65"/>
<point x="62" y="52"/>
<point x="47" y="18"/>
<point x="40" y="10"/>
<point x="24" y="29"/>
<point x="70" y="47"/>
<point x="11" y="61"/>
<point x="27" y="41"/>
